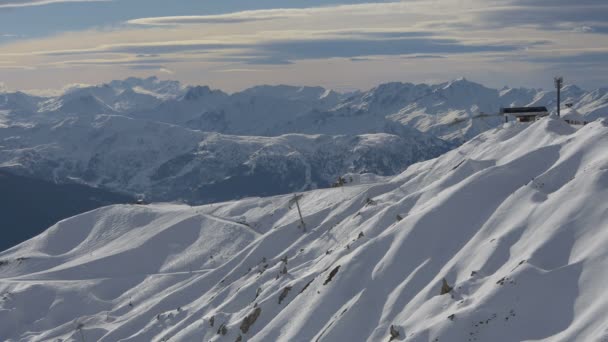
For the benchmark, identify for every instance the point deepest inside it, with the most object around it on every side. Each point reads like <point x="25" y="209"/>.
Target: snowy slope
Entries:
<point x="514" y="220"/>
<point x="29" y="206"/>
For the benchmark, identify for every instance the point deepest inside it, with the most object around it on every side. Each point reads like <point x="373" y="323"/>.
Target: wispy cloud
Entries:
<point x="358" y="42"/>
<point x="151" y="48"/>
<point x="239" y="17"/>
<point x="596" y="58"/>
<point x="16" y="67"/>
<point x="151" y="67"/>
<point x="276" y="14"/>
<point x="27" y="3"/>
<point x="547" y="14"/>
<point x="318" y="45"/>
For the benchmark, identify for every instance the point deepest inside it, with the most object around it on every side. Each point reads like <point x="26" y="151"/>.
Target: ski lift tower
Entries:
<point x="559" y="82"/>
<point x="296" y="199"/>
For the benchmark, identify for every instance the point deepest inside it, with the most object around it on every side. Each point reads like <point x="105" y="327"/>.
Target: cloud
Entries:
<point x="123" y="61"/>
<point x="273" y="49"/>
<point x="294" y="50"/>
<point x="424" y="57"/>
<point x="547" y="14"/>
<point x="157" y="68"/>
<point x="588" y="58"/>
<point x="231" y="18"/>
<point x="276" y="14"/>
<point x="143" y="49"/>
<point x="240" y="70"/>
<point x="138" y="63"/>
<point x="28" y="3"/>
<point x="57" y="92"/>
<point x="367" y="39"/>
<point x="583" y="28"/>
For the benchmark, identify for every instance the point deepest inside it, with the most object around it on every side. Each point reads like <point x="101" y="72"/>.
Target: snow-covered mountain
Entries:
<point x="125" y="96"/>
<point x="454" y="111"/>
<point x="169" y="162"/>
<point x="514" y="221"/>
<point x="459" y="110"/>
<point x="157" y="137"/>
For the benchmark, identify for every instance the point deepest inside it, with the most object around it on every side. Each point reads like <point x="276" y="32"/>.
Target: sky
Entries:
<point x="339" y="44"/>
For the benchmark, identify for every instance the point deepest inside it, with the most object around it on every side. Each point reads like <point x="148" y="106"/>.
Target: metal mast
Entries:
<point x="559" y="82"/>
<point x="296" y="199"/>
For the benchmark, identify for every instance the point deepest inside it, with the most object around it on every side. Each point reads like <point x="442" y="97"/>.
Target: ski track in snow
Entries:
<point x="515" y="220"/>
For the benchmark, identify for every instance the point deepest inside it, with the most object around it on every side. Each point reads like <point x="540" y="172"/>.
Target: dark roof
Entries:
<point x="523" y="110"/>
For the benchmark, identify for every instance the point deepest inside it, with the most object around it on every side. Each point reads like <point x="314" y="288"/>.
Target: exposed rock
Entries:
<point x="394" y="333"/>
<point x="331" y="276"/>
<point x="250" y="319"/>
<point x="445" y="288"/>
<point x="307" y="285"/>
<point x="284" y="294"/>
<point x="222" y="330"/>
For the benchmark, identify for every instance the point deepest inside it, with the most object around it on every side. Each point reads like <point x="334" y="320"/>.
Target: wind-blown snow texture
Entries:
<point x="515" y="220"/>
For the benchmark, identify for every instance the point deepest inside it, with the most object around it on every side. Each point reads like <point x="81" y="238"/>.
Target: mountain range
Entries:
<point x="163" y="141"/>
<point x="171" y="142"/>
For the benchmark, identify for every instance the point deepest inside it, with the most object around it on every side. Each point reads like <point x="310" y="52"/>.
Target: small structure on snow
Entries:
<point x="573" y="117"/>
<point x="141" y="200"/>
<point x="525" y="114"/>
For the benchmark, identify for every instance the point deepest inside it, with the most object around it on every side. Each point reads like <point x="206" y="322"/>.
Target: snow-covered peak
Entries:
<point x="460" y="83"/>
<point x="456" y="110"/>
<point x="199" y="93"/>
<point x="163" y="89"/>
<point x="77" y="103"/>
<point x="19" y="102"/>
